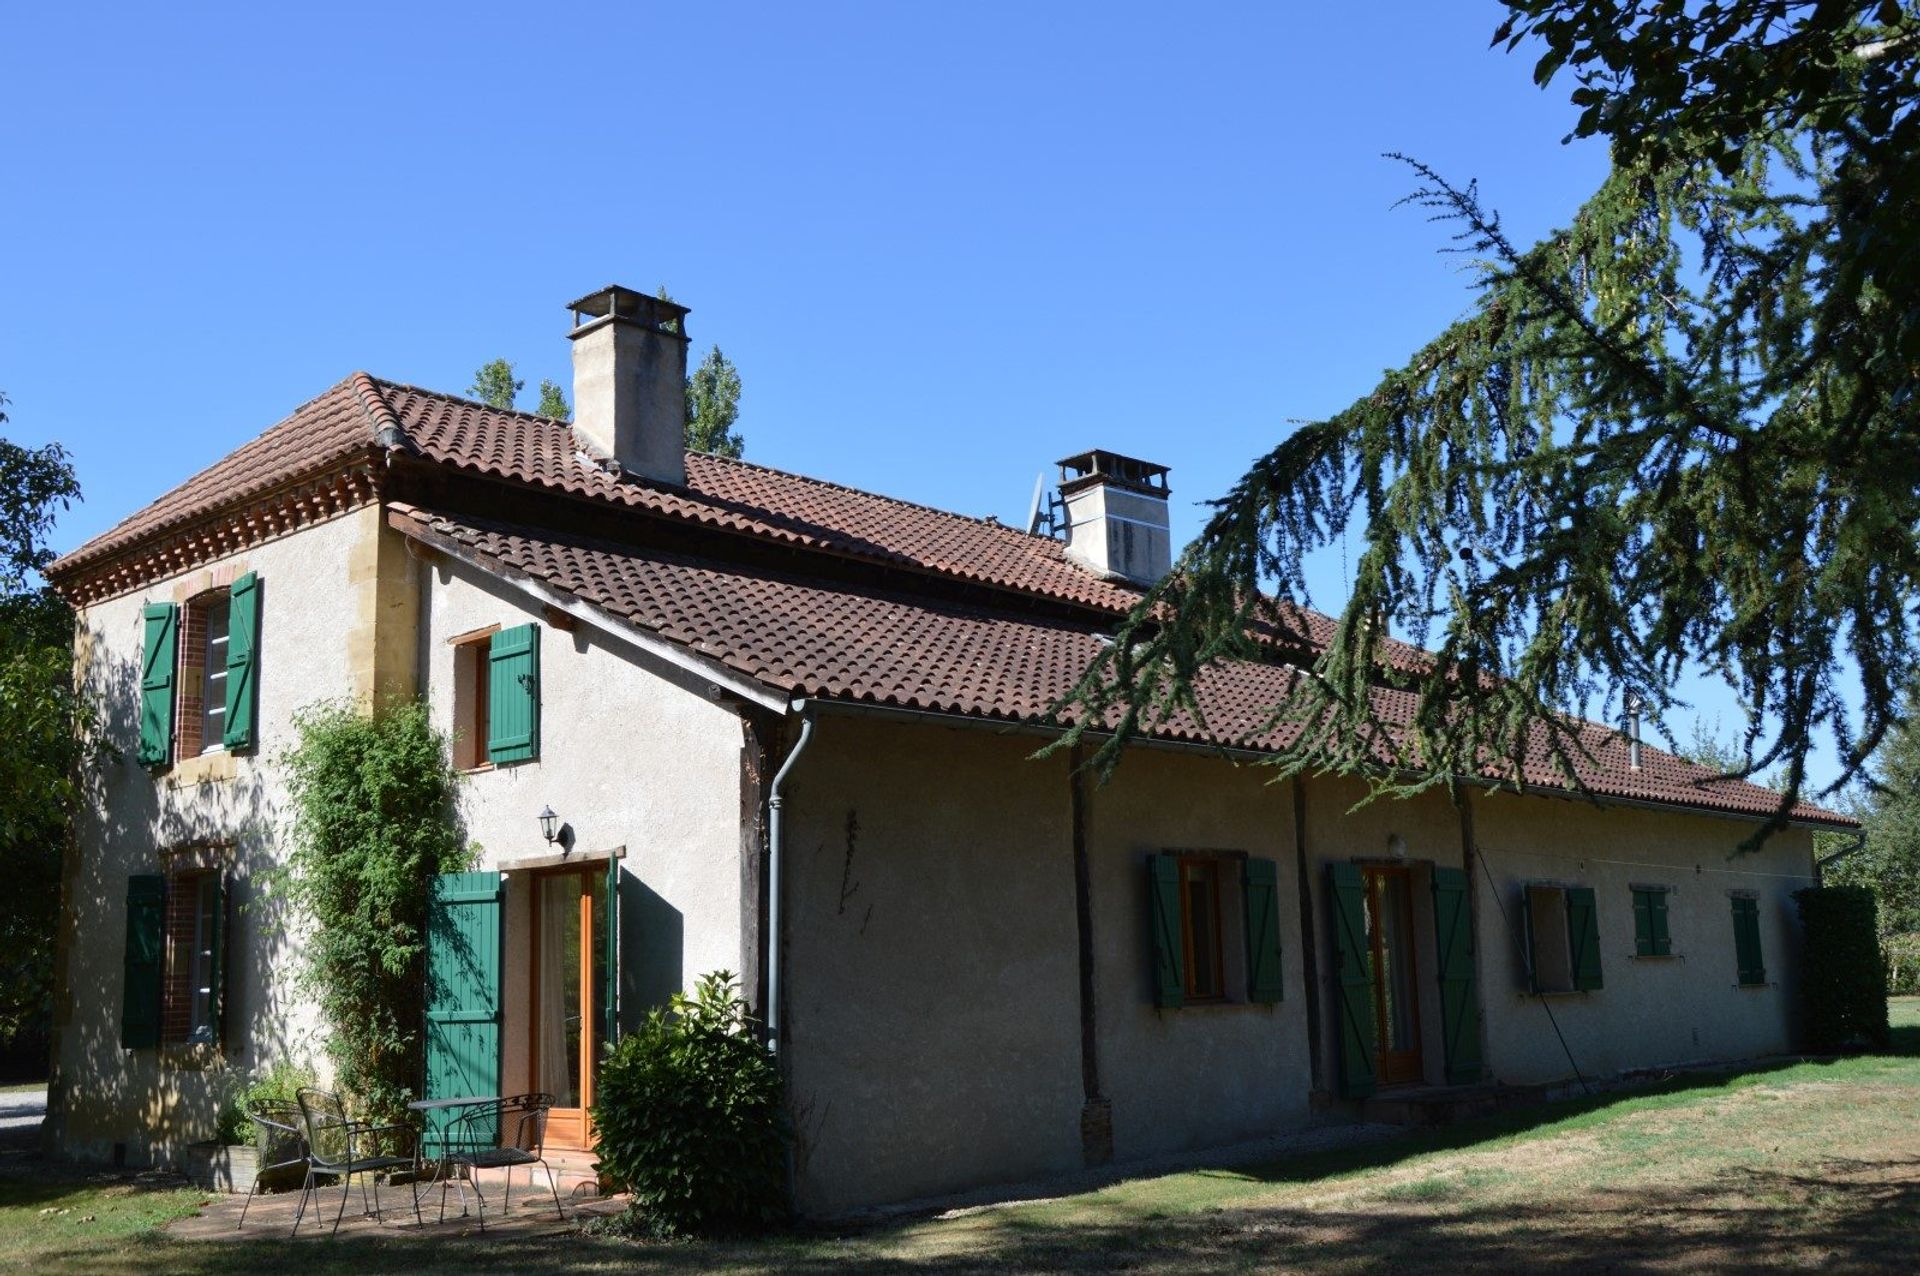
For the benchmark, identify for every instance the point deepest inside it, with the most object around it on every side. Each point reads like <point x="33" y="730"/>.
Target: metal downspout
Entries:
<point x="775" y="800"/>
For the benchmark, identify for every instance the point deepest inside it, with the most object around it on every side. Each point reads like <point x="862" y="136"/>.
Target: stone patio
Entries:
<point x="531" y="1213"/>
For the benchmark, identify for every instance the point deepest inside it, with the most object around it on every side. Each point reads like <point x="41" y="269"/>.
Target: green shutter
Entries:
<point x="463" y="990"/>
<point x="156" y="683"/>
<point x="612" y="1008"/>
<point x="1459" y="999"/>
<point x="1583" y="934"/>
<point x="144" y="953"/>
<point x="1528" y="979"/>
<point x="1643" y="923"/>
<point x="1163" y="909"/>
<point x="1657" y="912"/>
<point x="218" y="982"/>
<point x="243" y="660"/>
<point x="513" y="694"/>
<point x="1353" y="968"/>
<point x="1260" y="892"/>
<point x="1746" y="940"/>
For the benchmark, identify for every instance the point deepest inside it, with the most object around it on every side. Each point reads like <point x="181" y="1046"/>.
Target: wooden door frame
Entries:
<point x="566" y="1127"/>
<point x="1393" y="1067"/>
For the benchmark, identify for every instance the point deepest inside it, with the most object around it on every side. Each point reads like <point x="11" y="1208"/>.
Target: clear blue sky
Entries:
<point x="945" y="245"/>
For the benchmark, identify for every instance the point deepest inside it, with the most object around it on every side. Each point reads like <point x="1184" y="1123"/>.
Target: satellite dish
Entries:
<point x="1033" y="512"/>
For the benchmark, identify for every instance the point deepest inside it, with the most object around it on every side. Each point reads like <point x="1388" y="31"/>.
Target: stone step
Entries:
<point x="1439" y="1105"/>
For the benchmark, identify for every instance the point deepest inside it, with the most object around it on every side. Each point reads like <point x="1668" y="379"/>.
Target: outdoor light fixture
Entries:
<point x="1396" y="846"/>
<point x="549" y="825"/>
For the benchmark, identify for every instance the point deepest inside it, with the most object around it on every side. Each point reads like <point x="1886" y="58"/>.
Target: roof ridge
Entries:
<point x="391" y="384"/>
<point x="373" y="403"/>
<point x="975" y="519"/>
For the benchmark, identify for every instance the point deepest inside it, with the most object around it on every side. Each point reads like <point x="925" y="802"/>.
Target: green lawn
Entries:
<point x="1806" y="1165"/>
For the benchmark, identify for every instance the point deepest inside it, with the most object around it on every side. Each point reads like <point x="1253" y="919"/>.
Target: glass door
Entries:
<point x="569" y="996"/>
<point x="1396" y="1007"/>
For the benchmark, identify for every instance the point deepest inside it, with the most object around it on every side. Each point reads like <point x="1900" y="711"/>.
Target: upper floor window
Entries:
<point x="199" y="669"/>
<point x="496" y="696"/>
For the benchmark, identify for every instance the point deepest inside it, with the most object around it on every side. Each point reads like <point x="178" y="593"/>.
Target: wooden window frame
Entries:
<point x="471" y="701"/>
<point x="1188" y="861"/>
<point x="192" y="677"/>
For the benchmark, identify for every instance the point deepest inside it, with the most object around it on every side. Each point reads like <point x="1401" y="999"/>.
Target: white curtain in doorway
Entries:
<point x="559" y="914"/>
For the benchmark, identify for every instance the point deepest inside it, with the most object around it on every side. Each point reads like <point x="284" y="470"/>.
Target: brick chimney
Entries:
<point x="630" y="381"/>
<point x="1117" y="516"/>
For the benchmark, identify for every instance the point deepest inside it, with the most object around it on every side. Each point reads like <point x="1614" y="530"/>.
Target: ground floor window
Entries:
<point x="1561" y="937"/>
<point x="1746" y="940"/>
<point x="1650" y="938"/>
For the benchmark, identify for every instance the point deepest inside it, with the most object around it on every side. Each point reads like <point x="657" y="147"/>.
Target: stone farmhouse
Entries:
<point x="789" y="729"/>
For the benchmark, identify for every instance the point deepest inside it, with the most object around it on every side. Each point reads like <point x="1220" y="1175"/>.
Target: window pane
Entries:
<point x="1203" y="927"/>
<point x="214" y="678"/>
<point x="200" y="967"/>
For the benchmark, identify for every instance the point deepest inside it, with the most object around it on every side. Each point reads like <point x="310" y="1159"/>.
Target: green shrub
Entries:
<point x="1843" y="991"/>
<point x="374" y="818"/>
<point x="690" y="1119"/>
<point x="282" y="1081"/>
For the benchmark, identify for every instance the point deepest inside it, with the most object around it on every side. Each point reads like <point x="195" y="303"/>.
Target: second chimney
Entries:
<point x="630" y="381"/>
<point x="1117" y="516"/>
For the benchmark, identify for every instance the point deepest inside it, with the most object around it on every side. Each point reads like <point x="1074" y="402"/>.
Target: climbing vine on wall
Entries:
<point x="375" y="816"/>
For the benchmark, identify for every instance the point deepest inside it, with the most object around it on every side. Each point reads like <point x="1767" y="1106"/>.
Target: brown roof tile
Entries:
<point x="813" y="638"/>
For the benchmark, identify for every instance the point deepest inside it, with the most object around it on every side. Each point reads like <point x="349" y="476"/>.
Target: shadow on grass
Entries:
<point x="1840" y="1214"/>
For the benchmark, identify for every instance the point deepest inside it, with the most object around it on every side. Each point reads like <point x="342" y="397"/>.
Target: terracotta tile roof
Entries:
<point x="806" y="637"/>
<point x="796" y="635"/>
<point x="319" y="435"/>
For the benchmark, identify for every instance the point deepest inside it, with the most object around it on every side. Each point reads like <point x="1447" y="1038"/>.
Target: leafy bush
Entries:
<point x="1844" y="989"/>
<point x="375" y="817"/>
<point x="282" y="1081"/>
<point x="690" y="1118"/>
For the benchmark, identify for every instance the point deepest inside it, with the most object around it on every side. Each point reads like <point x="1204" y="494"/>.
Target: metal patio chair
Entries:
<point x="501" y="1134"/>
<point x="339" y="1145"/>
<point x="278" y="1144"/>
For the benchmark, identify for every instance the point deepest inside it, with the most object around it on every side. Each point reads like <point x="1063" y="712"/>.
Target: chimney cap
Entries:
<point x="1083" y="469"/>
<point x="618" y="303"/>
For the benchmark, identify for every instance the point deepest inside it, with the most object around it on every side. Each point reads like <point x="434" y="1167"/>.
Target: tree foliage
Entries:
<point x="1888" y="861"/>
<point x="553" y="402"/>
<point x="374" y="819"/>
<point x="1680" y="432"/>
<point x="713" y="405"/>
<point x="48" y="728"/>
<point x="495" y="385"/>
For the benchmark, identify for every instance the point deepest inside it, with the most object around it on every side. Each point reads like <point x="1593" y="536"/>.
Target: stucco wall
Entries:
<point x="1649" y="1011"/>
<point x="633" y="752"/>
<point x="151" y="1101"/>
<point x="1201" y="1074"/>
<point x="933" y="972"/>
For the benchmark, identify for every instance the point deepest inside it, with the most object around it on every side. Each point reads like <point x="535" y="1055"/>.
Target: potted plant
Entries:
<point x="229" y="1161"/>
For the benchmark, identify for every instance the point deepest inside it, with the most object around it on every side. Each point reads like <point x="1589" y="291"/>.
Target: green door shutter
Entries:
<point x="612" y="1008"/>
<point x="1583" y="934"/>
<point x="1260" y="891"/>
<point x="157" y="652"/>
<point x="243" y="659"/>
<point x="1459" y="999"/>
<point x="1353" y="967"/>
<point x="1163" y="917"/>
<point x="1746" y="940"/>
<point x="140" y="987"/>
<point x="463" y="991"/>
<point x="513" y="694"/>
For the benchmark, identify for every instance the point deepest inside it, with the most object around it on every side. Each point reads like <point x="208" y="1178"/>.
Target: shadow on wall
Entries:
<point x="102" y="1096"/>
<point x="652" y="935"/>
